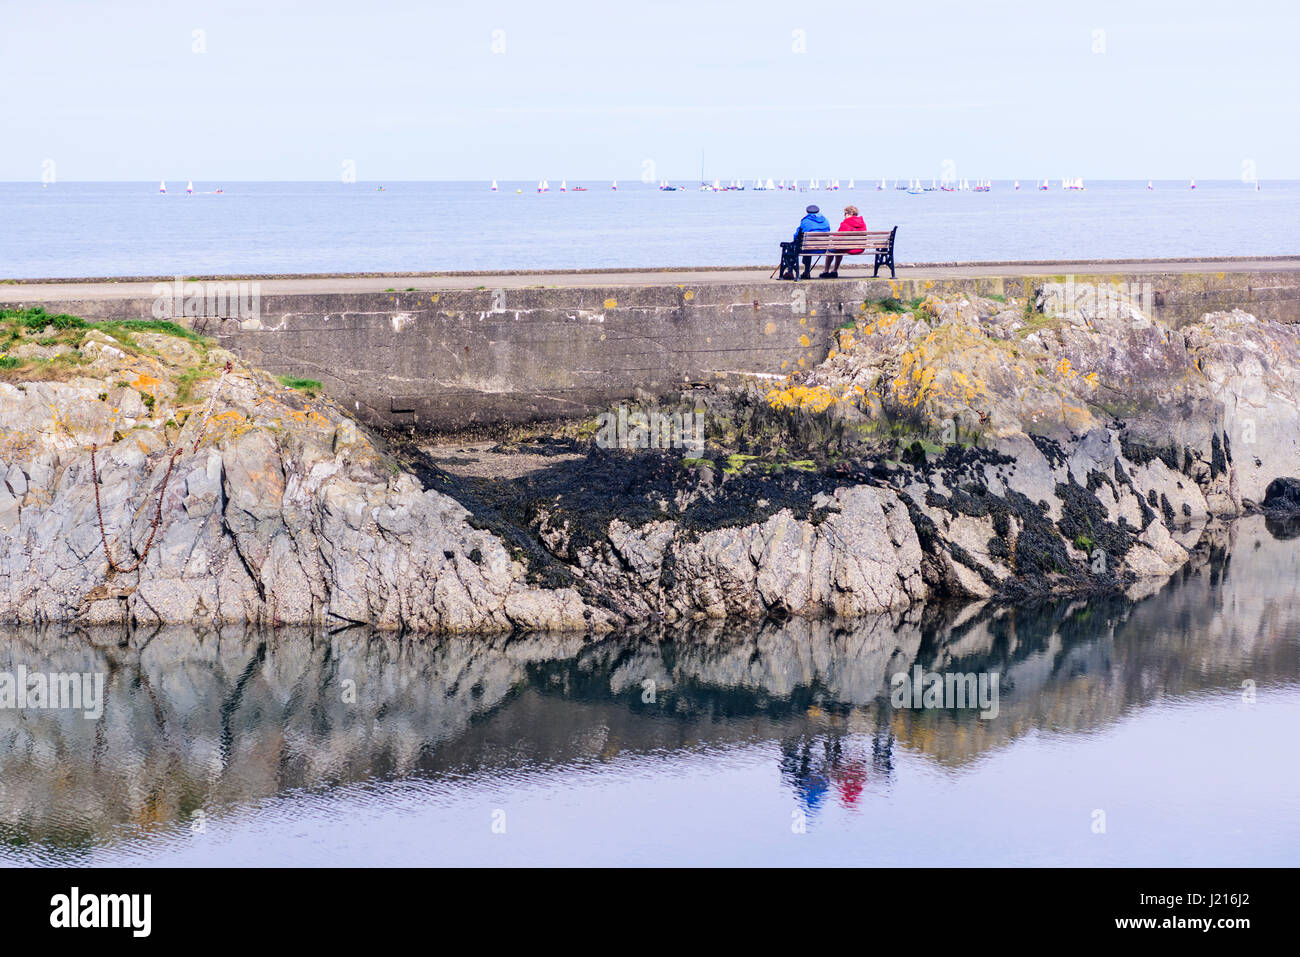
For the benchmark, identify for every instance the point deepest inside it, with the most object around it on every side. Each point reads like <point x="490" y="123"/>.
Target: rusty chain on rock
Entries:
<point x="162" y="492"/>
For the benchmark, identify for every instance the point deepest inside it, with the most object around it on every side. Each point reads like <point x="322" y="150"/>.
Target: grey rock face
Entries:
<point x="1104" y="443"/>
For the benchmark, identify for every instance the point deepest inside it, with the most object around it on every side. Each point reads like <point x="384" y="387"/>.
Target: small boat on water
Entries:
<point x="563" y="187"/>
<point x="1017" y="185"/>
<point x="1193" y="186"/>
<point x="880" y="185"/>
<point x="189" y="188"/>
<point x="769" y="183"/>
<point x="615" y="185"/>
<point x="851" y="184"/>
<point x="162" y="186"/>
<point x="579" y="189"/>
<point x="1044" y="185"/>
<point x="494" y="186"/>
<point x="1151" y="184"/>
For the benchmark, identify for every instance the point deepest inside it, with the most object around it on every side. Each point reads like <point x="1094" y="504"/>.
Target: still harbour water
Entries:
<point x="1168" y="716"/>
<point x="129" y="229"/>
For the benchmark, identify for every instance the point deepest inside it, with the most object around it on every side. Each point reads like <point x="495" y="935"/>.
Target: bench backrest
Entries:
<point x="842" y="242"/>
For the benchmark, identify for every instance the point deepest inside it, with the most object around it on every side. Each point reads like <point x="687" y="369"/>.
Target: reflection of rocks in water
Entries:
<point x="1230" y="615"/>
<point x="200" y="719"/>
<point x="1283" y="527"/>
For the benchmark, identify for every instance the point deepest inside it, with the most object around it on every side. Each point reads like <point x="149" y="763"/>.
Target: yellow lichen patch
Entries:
<point x="805" y="341"/>
<point x="611" y="303"/>
<point x="1092" y="380"/>
<point x="688" y="296"/>
<point x="806" y="398"/>
<point x="1064" y="369"/>
<point x="146" y="383"/>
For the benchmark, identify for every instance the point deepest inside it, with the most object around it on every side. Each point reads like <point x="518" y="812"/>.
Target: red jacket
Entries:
<point x="853" y="224"/>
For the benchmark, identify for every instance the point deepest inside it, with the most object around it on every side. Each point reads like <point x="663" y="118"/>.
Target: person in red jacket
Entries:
<point x="853" y="223"/>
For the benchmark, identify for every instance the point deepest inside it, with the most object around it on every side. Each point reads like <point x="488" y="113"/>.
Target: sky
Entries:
<point x="385" y="90"/>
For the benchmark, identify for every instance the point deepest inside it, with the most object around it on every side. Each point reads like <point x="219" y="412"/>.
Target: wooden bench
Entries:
<point x="878" y="244"/>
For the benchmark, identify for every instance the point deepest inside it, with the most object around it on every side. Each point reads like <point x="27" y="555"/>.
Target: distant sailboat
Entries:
<point x="1017" y="185"/>
<point x="564" y="188"/>
<point x="162" y="187"/>
<point x="769" y="183"/>
<point x="494" y="186"/>
<point x="851" y="184"/>
<point x="1150" y="184"/>
<point x="189" y="188"/>
<point x="1193" y="186"/>
<point x="615" y="185"/>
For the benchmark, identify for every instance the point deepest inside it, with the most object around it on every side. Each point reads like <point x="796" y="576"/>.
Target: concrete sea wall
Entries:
<point x="453" y="358"/>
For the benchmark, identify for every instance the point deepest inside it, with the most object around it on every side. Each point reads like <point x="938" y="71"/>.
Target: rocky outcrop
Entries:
<point x="963" y="447"/>
<point x="278" y="509"/>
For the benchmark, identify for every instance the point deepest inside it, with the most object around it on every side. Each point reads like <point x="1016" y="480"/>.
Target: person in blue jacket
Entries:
<point x="812" y="222"/>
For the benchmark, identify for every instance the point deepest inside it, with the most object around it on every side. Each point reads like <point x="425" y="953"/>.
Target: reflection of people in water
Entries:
<point x="810" y="764"/>
<point x="805" y="773"/>
<point x="851" y="778"/>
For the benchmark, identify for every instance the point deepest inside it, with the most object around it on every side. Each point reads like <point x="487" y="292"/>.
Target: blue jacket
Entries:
<point x="814" y="223"/>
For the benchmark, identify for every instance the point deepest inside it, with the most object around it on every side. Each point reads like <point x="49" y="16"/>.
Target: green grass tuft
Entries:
<point x="305" y="385"/>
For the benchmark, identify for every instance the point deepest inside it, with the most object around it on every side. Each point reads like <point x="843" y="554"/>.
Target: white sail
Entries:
<point x="162" y="186"/>
<point x="189" y="187"/>
<point x="1151" y="184"/>
<point x="564" y="187"/>
<point x="614" y="185"/>
<point x="769" y="182"/>
<point x="494" y="186"/>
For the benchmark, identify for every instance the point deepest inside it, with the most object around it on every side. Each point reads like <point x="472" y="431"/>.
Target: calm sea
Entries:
<point x="115" y="229"/>
<point x="1153" y="729"/>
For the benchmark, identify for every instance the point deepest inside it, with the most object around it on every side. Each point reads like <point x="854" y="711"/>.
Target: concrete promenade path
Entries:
<point x="61" y="290"/>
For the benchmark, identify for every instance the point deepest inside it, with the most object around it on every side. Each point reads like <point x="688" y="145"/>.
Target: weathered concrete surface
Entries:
<point x="450" y="351"/>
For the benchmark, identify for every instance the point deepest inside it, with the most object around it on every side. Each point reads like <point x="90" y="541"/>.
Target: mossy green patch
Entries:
<point x="303" y="385"/>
